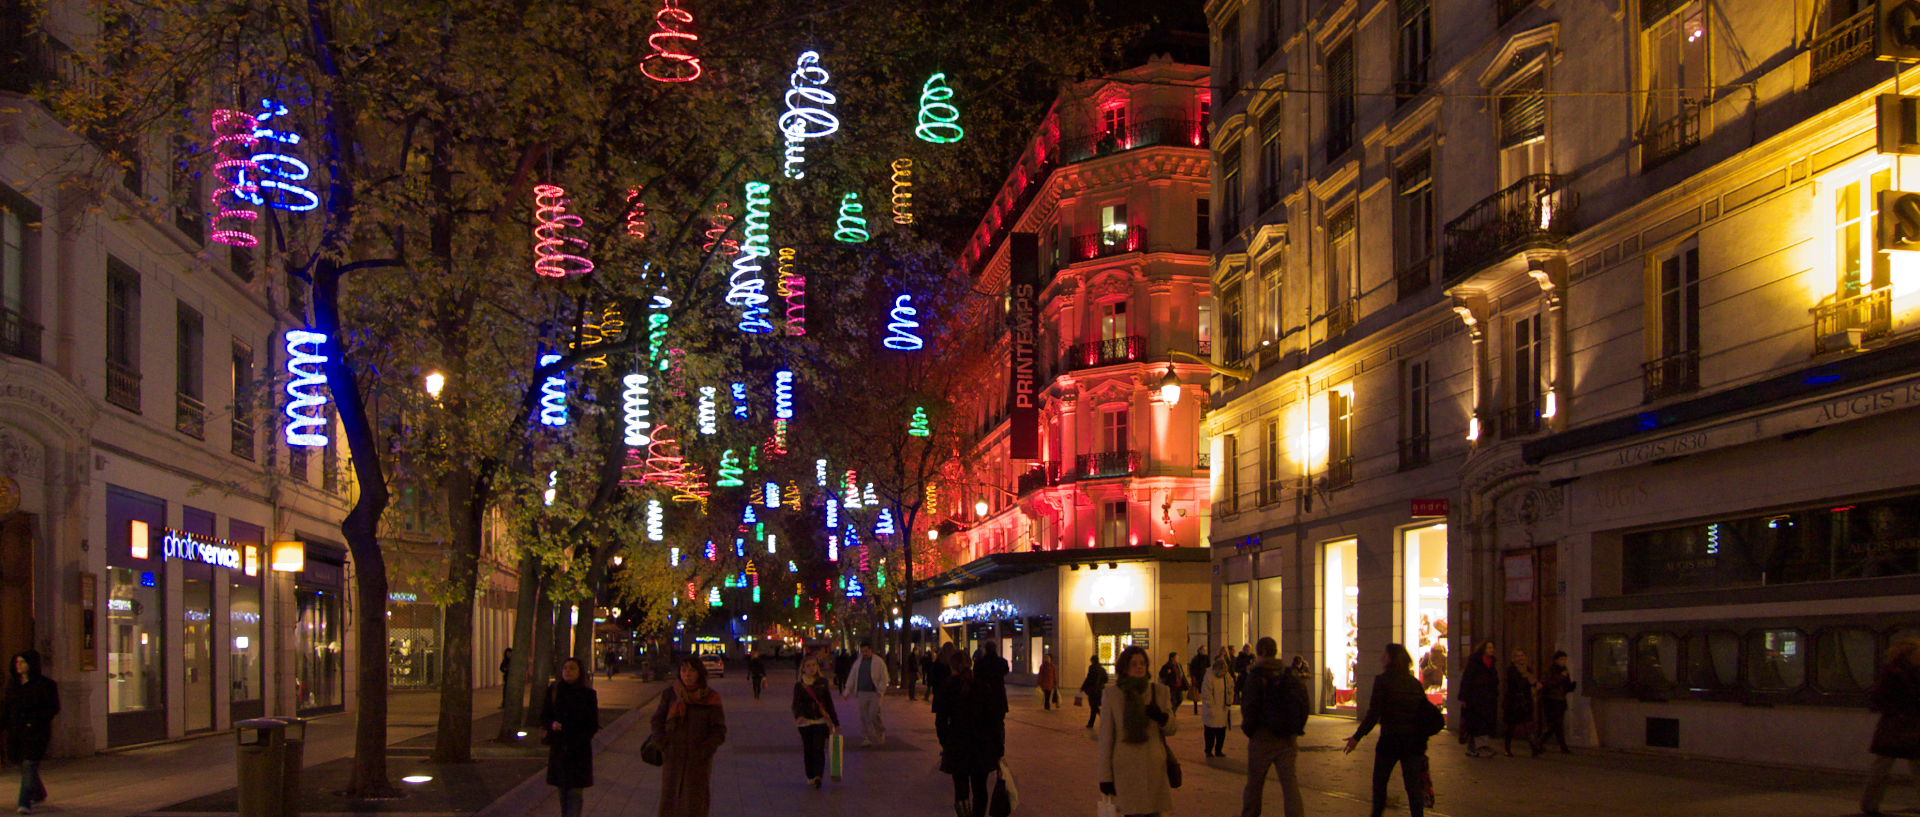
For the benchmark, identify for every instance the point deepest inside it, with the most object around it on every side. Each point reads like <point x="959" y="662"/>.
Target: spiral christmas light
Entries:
<point x="792" y="287"/>
<point x="777" y="444"/>
<point x="276" y="167"/>
<point x="852" y="227"/>
<point x="664" y="464"/>
<point x="637" y="225"/>
<point x="670" y="60"/>
<point x="709" y="411"/>
<point x="729" y="473"/>
<point x="939" y="119"/>
<point x="746" y="288"/>
<point x="820" y="472"/>
<point x="305" y="359"/>
<point x="770" y="494"/>
<point x="638" y="412"/>
<point x="739" y="401"/>
<point x="806" y="118"/>
<point x="883" y="524"/>
<point x="717" y="226"/>
<point x="901" y="330"/>
<point x="783" y="394"/>
<point x="933" y="496"/>
<point x="869" y="497"/>
<point x="553" y="396"/>
<point x="833" y="511"/>
<point x="233" y="140"/>
<point x="833" y="548"/>
<point x="656" y="521"/>
<point x="792" y="497"/>
<point x="919" y="426"/>
<point x="590" y="335"/>
<point x="549" y="243"/>
<point x="553" y="487"/>
<point x="903" y="191"/>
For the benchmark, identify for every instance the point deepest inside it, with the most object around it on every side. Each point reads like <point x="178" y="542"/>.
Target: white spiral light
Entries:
<point x="309" y="377"/>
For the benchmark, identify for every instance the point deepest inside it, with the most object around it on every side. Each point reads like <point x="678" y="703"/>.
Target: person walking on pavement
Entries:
<point x="1241" y="663"/>
<point x="1094" y="688"/>
<point x="1049" y="680"/>
<point x="1135" y="720"/>
<point x="1273" y="714"/>
<point x="1480" y="701"/>
<point x="1396" y="705"/>
<point x="1197" y="673"/>
<point x="1216" y="690"/>
<point x="910" y="671"/>
<point x="1173" y="675"/>
<point x="1896" y="696"/>
<point x="689" y="725"/>
<point x="1521" y="687"/>
<point x="939" y="669"/>
<point x="866" y="683"/>
<point x="1554" y="687"/>
<point x="571" y="714"/>
<point x="756" y="673"/>
<point x="842" y="667"/>
<point x="814" y="714"/>
<point x="972" y="733"/>
<point x="991" y="671"/>
<point x="32" y="701"/>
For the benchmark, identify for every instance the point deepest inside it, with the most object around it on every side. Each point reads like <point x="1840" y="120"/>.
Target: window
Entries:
<point x="19" y="336"/>
<point x="1776" y="660"/>
<point x="1675" y="66"/>
<point x="1113" y="430"/>
<point x="1423" y="627"/>
<point x="1608" y="661"/>
<point x="1272" y="313"/>
<point x="1846" y="659"/>
<point x="1340" y="264"/>
<point x="1340" y="100"/>
<point x="1857" y="540"/>
<point x="1415" y="47"/>
<point x="1113" y="524"/>
<point x="240" y="263"/>
<point x="1203" y="112"/>
<point x="1522" y="110"/>
<point x="1655" y="660"/>
<point x="1524" y="374"/>
<point x="1113" y="120"/>
<point x="1340" y="565"/>
<point x="1340" y="436"/>
<point x="1230" y="338"/>
<point x="1270" y="146"/>
<point x="1204" y="329"/>
<point x="1413" y="225"/>
<point x="187" y="360"/>
<point x="242" y="359"/>
<point x="1270" y="21"/>
<point x="1270" y="487"/>
<point x="1202" y="224"/>
<point x="1415" y="388"/>
<point x="1856" y="218"/>
<point x="1712" y="661"/>
<point x="123" y="335"/>
<point x="1113" y="320"/>
<point x="1230" y="190"/>
<point x="185" y="185"/>
<point x="1113" y="225"/>
<point x="1678" y="303"/>
<point x="1230" y="55"/>
<point x="1230" y="472"/>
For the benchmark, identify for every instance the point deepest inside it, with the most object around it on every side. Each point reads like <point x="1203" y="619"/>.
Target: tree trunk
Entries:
<point x="513" y="690"/>
<point x="583" y="632"/>
<point x="542" y="628"/>
<point x="453" y="742"/>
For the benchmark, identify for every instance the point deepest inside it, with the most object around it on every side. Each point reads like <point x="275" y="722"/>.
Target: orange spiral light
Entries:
<point x="670" y="62"/>
<point x="550" y="208"/>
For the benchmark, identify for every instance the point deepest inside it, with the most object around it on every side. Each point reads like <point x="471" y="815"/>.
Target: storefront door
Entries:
<point x="196" y="602"/>
<point x="1532" y="579"/>
<point x="16" y="582"/>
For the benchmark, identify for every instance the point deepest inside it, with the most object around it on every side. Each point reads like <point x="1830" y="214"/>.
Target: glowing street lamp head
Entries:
<point x="436" y="382"/>
<point x="980" y="507"/>
<point x="1170" y="387"/>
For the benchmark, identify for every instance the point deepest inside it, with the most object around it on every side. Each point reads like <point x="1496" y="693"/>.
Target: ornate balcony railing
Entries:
<point x="1107" y="464"/>
<point x="123" y="387"/>
<point x="1847" y="322"/>
<point x="1186" y="133"/>
<point x="1677" y="373"/>
<point x="1414" y="452"/>
<point x="1536" y="211"/>
<point x="1342" y="317"/>
<point x="1661" y="141"/>
<point x="189" y="415"/>
<point x="1520" y="420"/>
<point x="1842" y="45"/>
<point x="242" y="445"/>
<point x="1105" y="352"/>
<point x="1132" y="238"/>
<point x="1339" y="473"/>
<point x="19" y="337"/>
<point x="1041" y="476"/>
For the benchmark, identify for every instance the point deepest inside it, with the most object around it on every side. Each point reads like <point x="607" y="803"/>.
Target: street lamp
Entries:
<point x="1170" y="387"/>
<point x="435" y="383"/>
<point x="933" y="535"/>
<point x="980" y="507"/>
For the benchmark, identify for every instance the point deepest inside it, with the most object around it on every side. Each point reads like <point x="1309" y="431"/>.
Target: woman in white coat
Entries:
<point x="1136" y="715"/>
<point x="1216" y="693"/>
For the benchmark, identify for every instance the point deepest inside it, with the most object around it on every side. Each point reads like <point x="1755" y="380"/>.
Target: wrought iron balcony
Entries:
<point x="1105" y="352"/>
<point x="1846" y="323"/>
<point x="242" y="445"/>
<point x="1414" y="452"/>
<point x="1041" y="476"/>
<point x="19" y="337"/>
<point x="1107" y="464"/>
<point x="1537" y="211"/>
<point x="1342" y="317"/>
<point x="1521" y="420"/>
<point x="1125" y="239"/>
<point x="1842" y="45"/>
<point x="189" y="415"/>
<point x="1339" y="473"/>
<point x="1413" y="278"/>
<point x="1661" y="141"/>
<point x="123" y="386"/>
<point x="1186" y="133"/>
<point x="1677" y="373"/>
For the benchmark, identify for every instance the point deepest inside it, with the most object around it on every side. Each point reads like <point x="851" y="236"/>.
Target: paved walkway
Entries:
<point x="758" y="773"/>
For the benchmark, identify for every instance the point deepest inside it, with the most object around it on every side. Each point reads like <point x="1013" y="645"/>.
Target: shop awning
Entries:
<point x="1000" y="566"/>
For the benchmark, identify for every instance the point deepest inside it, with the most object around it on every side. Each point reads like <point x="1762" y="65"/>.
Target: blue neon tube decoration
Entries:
<point x="306" y="355"/>
<point x="901" y="330"/>
<point x="553" y="397"/>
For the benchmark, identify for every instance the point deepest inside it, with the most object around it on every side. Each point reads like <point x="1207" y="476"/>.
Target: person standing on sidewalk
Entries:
<point x="1896" y="696"/>
<point x="689" y="725"/>
<point x="571" y="714"/>
<point x="756" y="673"/>
<point x="1241" y="663"/>
<point x="1554" y="688"/>
<point x="1136" y="719"/>
<point x="990" y="670"/>
<point x="1273" y="714"/>
<point x="1049" y="680"/>
<point x="1396" y="705"/>
<point x="1173" y="676"/>
<point x="814" y="714"/>
<point x="972" y="734"/>
<point x="939" y="669"/>
<point x="1094" y="688"/>
<point x="1480" y="701"/>
<point x="1215" y="714"/>
<point x="910" y="671"/>
<point x="866" y="683"/>
<point x="32" y="701"/>
<point x="1521" y="687"/>
<point x="1197" y="672"/>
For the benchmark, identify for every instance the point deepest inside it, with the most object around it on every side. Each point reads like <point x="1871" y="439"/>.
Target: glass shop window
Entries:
<point x="1776" y="660"/>
<point x="134" y="641"/>
<point x="1609" y="661"/>
<point x="1713" y="660"/>
<point x="1846" y="660"/>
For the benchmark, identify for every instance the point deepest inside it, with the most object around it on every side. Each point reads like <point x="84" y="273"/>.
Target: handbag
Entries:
<point x="1006" y="796"/>
<point x="1077" y="700"/>
<point x="836" y="755"/>
<point x="1432" y="720"/>
<point x="1174" y="776"/>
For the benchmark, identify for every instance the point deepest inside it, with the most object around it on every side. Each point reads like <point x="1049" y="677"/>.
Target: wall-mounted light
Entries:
<point x="933" y="535"/>
<point x="1473" y="428"/>
<point x="138" y="537"/>
<point x="1170" y="387"/>
<point x="289" y="556"/>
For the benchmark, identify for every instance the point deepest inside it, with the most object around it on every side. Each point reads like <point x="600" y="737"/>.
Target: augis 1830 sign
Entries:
<point x="194" y="547"/>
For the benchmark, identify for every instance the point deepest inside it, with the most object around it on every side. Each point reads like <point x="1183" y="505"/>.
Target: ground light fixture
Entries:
<point x="417" y="778"/>
<point x="1170" y="387"/>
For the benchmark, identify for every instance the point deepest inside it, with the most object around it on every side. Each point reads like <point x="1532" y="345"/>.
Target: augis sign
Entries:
<point x="193" y="547"/>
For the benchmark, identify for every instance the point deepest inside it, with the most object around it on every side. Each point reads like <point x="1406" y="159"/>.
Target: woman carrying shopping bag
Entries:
<point x="813" y="713"/>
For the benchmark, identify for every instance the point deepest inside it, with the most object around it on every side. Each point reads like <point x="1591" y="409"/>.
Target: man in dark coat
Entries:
<point x="1480" y="700"/>
<point x="1197" y="673"/>
<point x="1093" y="688"/>
<point x="971" y="727"/>
<point x="27" y="713"/>
<point x="571" y="712"/>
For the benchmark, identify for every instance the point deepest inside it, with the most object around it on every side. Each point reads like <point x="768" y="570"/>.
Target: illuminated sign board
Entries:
<point x="194" y="547"/>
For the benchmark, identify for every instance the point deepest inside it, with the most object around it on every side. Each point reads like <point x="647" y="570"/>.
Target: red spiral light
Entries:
<point x="670" y="62"/>
<point x="550" y="208"/>
<point x="637" y="225"/>
<point x="232" y="145"/>
<point x="717" y="226"/>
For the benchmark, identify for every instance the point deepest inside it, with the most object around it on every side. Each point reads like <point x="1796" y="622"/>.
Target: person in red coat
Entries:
<point x="1049" y="682"/>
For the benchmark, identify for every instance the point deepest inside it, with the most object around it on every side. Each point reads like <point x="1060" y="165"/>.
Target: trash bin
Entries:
<point x="268" y="755"/>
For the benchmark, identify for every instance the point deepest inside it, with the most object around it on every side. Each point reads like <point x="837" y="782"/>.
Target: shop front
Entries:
<point x="413" y="641"/>
<point x="319" y="592"/>
<point x="136" y="615"/>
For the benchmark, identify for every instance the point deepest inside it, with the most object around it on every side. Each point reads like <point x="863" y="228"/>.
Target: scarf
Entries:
<point x="684" y="697"/>
<point x="1133" y="711"/>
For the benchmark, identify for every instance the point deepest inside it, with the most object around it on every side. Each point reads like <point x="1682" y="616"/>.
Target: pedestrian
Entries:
<point x="689" y="725"/>
<point x="865" y="685"/>
<point x="1896" y="696"/>
<point x="1173" y="675"/>
<point x="1197" y="672"/>
<point x="991" y="672"/>
<point x="842" y="667"/>
<point x="1136" y="718"/>
<point x="1216" y="691"/>
<point x="814" y="714"/>
<point x="939" y="668"/>
<point x="1518" y="702"/>
<point x="1480" y="701"/>
<point x="27" y="713"/>
<point x="756" y="673"/>
<point x="571" y="714"/>
<point x="1273" y="715"/>
<point x="910" y="672"/>
<point x="1554" y="687"/>
<point x="506" y="665"/>
<point x="1300" y="668"/>
<point x="972" y="734"/>
<point x="1094" y="688"/>
<point x="1049" y="679"/>
<point x="1397" y="705"/>
<point x="1241" y="663"/>
<point x="613" y="664"/>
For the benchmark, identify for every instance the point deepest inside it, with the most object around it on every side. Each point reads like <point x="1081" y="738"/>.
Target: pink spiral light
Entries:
<point x="670" y="62"/>
<point x="550" y="208"/>
<point x="233" y="146"/>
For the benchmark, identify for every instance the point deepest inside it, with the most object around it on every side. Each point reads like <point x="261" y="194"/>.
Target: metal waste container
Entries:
<point x="268" y="754"/>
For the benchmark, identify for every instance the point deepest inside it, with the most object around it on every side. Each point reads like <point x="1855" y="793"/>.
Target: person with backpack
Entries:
<point x="1173" y="676"/>
<point x="1094" y="687"/>
<point x="1273" y="714"/>
<point x="1406" y="719"/>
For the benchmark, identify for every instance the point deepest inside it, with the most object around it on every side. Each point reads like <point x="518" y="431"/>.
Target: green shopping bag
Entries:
<point x="836" y="750"/>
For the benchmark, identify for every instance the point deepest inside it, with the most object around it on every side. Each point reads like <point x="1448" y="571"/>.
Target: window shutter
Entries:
<point x="1340" y="70"/>
<point x="1523" y="111"/>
